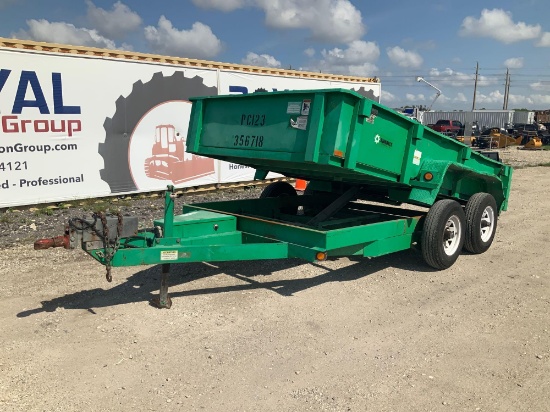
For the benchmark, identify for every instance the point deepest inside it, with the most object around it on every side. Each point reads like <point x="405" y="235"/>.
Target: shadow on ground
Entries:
<point x="143" y="285"/>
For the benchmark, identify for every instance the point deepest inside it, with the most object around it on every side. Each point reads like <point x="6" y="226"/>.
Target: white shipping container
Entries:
<point x="484" y="118"/>
<point x="523" y="116"/>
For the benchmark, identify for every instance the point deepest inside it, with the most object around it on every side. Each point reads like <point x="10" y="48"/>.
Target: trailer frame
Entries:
<point x="256" y="229"/>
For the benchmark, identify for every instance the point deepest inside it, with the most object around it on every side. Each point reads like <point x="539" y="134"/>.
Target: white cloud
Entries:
<point x="544" y="40"/>
<point x="116" y="23"/>
<point x="388" y="97"/>
<point x="263" y="60"/>
<point x="453" y="78"/>
<point x="198" y="42"/>
<point x="415" y="97"/>
<point x="493" y="97"/>
<point x="498" y="24"/>
<point x="540" y="86"/>
<point x="517" y="100"/>
<point x="127" y="46"/>
<point x="514" y="63"/>
<point x="65" y="33"/>
<point x="332" y="20"/>
<point x="309" y="52"/>
<point x="404" y="58"/>
<point x="358" y="59"/>
<point x="460" y="98"/>
<point x="358" y="52"/>
<point x="223" y="5"/>
<point x="441" y="99"/>
<point x="362" y="70"/>
<point x="496" y="98"/>
<point x="541" y="99"/>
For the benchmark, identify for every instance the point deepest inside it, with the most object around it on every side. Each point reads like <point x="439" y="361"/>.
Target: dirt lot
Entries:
<point x="386" y="334"/>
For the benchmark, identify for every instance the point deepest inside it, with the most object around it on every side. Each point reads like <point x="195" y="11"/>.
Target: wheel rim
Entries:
<point x="487" y="224"/>
<point x="451" y="236"/>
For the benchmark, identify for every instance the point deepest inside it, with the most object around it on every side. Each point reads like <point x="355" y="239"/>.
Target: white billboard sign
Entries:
<point x="76" y="126"/>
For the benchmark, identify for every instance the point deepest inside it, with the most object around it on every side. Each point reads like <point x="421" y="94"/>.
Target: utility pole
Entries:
<point x="475" y="87"/>
<point x="506" y="90"/>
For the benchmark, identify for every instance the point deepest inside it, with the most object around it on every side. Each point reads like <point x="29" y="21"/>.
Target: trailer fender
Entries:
<point x="443" y="179"/>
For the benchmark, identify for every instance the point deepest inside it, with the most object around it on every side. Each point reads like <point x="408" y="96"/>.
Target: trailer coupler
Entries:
<point x="58" y="241"/>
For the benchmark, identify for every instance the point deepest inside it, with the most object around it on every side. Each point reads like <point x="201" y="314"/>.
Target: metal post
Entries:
<point x="163" y="301"/>
<point x="507" y="92"/>
<point x="468" y="122"/>
<point x="169" y="212"/>
<point x="475" y="87"/>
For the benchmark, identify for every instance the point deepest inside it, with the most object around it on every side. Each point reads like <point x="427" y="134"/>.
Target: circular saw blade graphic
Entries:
<point x="129" y="111"/>
<point x="369" y="94"/>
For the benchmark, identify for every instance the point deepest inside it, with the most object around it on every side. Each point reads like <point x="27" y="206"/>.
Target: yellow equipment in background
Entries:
<point x="498" y="140"/>
<point x="534" y="142"/>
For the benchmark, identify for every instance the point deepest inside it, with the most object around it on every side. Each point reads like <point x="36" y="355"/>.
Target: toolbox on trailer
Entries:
<point x="362" y="161"/>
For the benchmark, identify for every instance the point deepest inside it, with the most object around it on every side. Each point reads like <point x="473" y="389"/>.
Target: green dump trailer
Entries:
<point x="363" y="162"/>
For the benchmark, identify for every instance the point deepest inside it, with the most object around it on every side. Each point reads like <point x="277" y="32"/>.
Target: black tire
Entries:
<point x="443" y="234"/>
<point x="281" y="189"/>
<point x="129" y="111"/>
<point x="481" y="222"/>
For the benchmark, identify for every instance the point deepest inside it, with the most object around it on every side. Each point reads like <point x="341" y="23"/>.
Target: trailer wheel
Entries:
<point x="281" y="189"/>
<point x="443" y="234"/>
<point x="481" y="222"/>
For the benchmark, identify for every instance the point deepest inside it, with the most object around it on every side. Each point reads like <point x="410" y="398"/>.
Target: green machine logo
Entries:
<point x="378" y="140"/>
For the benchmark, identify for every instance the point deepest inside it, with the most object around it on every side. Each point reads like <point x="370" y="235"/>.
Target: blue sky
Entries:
<point x="440" y="40"/>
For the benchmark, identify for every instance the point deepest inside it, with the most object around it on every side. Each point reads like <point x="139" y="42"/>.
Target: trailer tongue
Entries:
<point x="353" y="151"/>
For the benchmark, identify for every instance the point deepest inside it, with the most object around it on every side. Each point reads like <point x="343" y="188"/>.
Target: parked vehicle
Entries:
<point x="525" y="127"/>
<point x="449" y="127"/>
<point x="527" y="130"/>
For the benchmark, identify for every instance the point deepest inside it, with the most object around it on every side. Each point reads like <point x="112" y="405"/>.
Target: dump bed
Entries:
<point x="338" y="135"/>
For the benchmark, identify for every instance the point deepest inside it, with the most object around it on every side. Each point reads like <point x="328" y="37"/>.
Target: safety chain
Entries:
<point x="109" y="252"/>
<point x="80" y="224"/>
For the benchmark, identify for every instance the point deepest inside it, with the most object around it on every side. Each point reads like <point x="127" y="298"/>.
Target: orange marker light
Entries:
<point x="321" y="256"/>
<point x="428" y="176"/>
<point x="338" y="153"/>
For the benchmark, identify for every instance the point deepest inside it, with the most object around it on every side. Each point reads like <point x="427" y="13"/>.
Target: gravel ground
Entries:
<point x="25" y="225"/>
